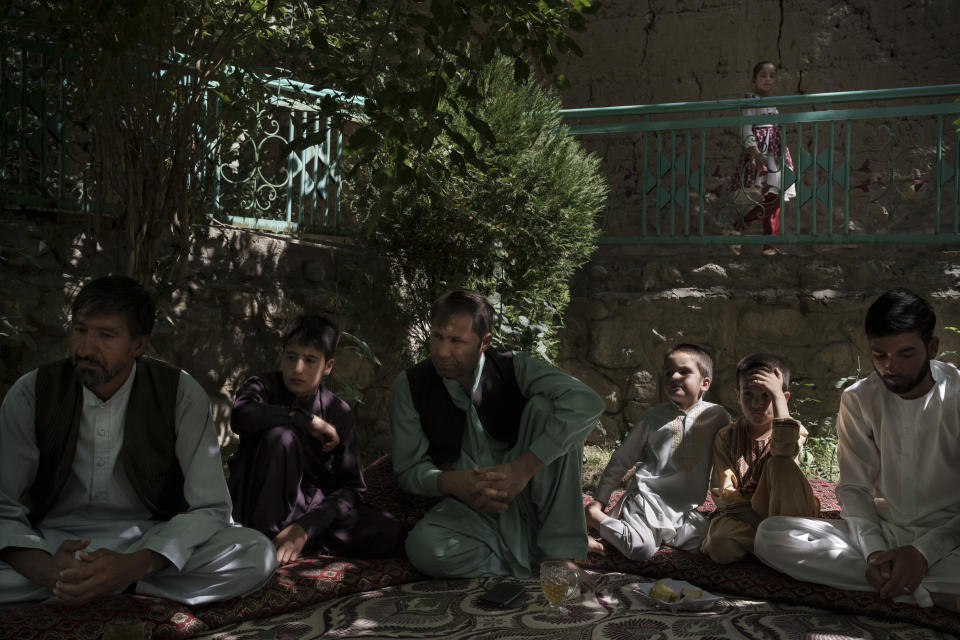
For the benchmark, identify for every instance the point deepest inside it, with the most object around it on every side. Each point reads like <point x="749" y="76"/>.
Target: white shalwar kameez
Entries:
<point x="672" y="451"/>
<point x="899" y="485"/>
<point x="211" y="557"/>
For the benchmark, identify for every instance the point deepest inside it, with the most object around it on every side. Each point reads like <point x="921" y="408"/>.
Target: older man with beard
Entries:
<point x="110" y="472"/>
<point x="899" y="449"/>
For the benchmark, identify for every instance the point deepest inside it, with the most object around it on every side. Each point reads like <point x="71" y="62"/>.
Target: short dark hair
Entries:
<point x="464" y="301"/>
<point x="900" y="311"/>
<point x="117" y="295"/>
<point x="760" y="65"/>
<point x="316" y="332"/>
<point x="700" y="354"/>
<point x="763" y="362"/>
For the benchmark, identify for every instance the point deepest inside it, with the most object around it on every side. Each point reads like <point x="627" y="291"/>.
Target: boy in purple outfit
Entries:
<point x="296" y="476"/>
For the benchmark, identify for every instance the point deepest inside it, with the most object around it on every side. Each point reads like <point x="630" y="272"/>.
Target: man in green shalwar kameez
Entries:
<point x="498" y="433"/>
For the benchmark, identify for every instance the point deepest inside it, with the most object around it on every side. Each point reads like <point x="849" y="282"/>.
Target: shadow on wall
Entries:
<point x="221" y="324"/>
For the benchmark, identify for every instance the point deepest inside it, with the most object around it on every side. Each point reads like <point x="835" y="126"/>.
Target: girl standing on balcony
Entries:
<point x="759" y="172"/>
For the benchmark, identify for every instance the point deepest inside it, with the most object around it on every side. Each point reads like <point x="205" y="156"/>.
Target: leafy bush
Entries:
<point x="595" y="459"/>
<point x="818" y="459"/>
<point x="156" y="88"/>
<point x="514" y="223"/>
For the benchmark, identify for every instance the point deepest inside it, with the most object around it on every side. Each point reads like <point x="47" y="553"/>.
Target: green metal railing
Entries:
<point x="868" y="166"/>
<point x="305" y="195"/>
<point x="883" y="168"/>
<point x="257" y="180"/>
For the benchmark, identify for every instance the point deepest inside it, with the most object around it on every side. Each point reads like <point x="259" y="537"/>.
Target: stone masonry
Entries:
<point x="806" y="305"/>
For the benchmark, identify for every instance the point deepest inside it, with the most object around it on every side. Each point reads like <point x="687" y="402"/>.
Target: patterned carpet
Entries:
<point x="318" y="596"/>
<point x="450" y="609"/>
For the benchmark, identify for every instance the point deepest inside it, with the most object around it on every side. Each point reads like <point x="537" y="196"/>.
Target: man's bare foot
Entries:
<point x="595" y="546"/>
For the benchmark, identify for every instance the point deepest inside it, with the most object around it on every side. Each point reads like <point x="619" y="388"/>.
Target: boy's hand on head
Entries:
<point x="772" y="383"/>
<point x="324" y="432"/>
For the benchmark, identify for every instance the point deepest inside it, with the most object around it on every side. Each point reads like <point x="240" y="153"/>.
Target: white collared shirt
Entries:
<point x="98" y="500"/>
<point x="900" y="465"/>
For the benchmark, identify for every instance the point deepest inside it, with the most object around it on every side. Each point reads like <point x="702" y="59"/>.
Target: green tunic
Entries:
<point x="545" y="521"/>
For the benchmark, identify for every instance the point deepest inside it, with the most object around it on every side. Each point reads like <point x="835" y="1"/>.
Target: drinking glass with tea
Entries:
<point x="559" y="581"/>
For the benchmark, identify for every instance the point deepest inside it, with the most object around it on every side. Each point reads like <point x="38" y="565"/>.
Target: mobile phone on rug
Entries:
<point x="502" y="594"/>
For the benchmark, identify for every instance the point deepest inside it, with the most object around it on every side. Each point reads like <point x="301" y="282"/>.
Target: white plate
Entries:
<point x="705" y="601"/>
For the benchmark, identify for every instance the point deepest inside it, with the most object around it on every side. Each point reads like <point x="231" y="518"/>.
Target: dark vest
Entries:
<point x="498" y="402"/>
<point x="149" y="437"/>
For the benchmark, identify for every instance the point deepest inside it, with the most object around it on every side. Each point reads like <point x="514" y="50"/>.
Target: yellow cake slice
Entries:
<point x="661" y="591"/>
<point x="693" y="594"/>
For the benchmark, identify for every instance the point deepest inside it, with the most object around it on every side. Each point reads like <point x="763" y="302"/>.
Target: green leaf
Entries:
<point x="468" y="90"/>
<point x="221" y="95"/>
<point x="381" y="177"/>
<point x="427" y="99"/>
<point x="441" y="10"/>
<point x="488" y="49"/>
<point x="361" y="348"/>
<point x="465" y="147"/>
<point x="28" y="340"/>
<point x="570" y="44"/>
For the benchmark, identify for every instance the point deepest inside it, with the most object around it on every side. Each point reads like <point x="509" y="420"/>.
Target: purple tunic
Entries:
<point x="281" y="474"/>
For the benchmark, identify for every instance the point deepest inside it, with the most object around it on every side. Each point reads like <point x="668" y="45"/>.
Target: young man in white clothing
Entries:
<point x="899" y="443"/>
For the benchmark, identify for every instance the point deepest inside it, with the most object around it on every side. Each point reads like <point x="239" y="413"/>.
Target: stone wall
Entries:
<point x="807" y="305"/>
<point x="628" y="306"/>
<point x="653" y="51"/>
<point x="221" y="325"/>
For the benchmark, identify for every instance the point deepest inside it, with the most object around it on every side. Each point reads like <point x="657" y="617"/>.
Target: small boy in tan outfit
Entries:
<point x="755" y="473"/>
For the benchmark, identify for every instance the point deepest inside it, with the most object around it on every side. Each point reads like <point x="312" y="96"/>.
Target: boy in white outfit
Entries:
<point x="899" y="444"/>
<point x="671" y="446"/>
